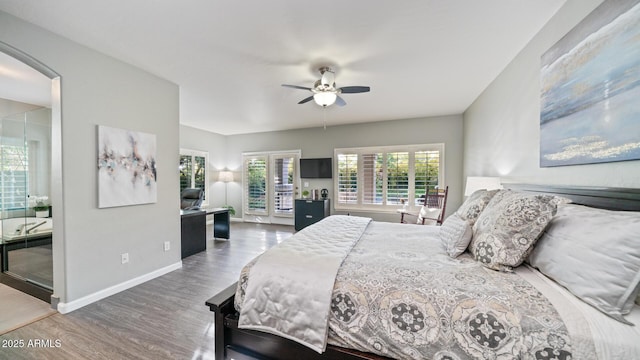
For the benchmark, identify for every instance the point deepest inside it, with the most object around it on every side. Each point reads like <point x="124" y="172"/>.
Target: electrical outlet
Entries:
<point x="125" y="258"/>
<point x="167" y="245"/>
<point x="306" y="184"/>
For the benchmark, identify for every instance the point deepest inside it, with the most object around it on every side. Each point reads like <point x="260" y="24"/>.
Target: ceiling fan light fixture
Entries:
<point x="325" y="98"/>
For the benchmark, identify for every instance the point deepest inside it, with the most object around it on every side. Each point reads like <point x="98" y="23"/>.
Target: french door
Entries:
<point x="271" y="181"/>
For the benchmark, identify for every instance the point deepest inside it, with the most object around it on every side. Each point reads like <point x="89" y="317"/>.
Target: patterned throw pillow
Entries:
<point x="473" y="206"/>
<point x="455" y="234"/>
<point x="508" y="228"/>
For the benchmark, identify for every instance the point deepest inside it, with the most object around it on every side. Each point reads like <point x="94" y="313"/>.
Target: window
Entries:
<point x="382" y="178"/>
<point x="15" y="176"/>
<point x="193" y="170"/>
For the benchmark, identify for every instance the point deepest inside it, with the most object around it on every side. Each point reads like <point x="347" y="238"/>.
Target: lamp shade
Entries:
<point x="475" y="183"/>
<point x="325" y="98"/>
<point x="225" y="176"/>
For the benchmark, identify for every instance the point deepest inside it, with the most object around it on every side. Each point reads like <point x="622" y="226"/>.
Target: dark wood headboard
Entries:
<point x="600" y="197"/>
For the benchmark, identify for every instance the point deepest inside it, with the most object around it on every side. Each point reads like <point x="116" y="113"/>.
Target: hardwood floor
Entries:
<point x="164" y="318"/>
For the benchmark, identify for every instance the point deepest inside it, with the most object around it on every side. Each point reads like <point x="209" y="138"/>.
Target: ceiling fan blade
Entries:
<point x="354" y="89"/>
<point x="340" y="101"/>
<point x="305" y="100"/>
<point x="296" y="87"/>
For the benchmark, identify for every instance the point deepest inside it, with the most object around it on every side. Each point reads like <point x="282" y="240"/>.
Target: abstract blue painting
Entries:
<point x="590" y="90"/>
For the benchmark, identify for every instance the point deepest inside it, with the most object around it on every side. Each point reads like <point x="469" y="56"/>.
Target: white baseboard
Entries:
<point x="67" y="307"/>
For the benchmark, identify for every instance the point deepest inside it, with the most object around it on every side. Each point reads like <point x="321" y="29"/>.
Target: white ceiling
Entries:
<point x="420" y="57"/>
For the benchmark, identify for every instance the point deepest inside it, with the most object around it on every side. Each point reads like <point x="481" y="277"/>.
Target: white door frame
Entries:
<point x="270" y="216"/>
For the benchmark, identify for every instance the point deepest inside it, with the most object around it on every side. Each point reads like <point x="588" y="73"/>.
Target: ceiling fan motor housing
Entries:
<point x="328" y="77"/>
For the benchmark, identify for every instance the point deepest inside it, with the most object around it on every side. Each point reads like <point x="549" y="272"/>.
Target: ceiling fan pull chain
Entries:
<point x="324" y="117"/>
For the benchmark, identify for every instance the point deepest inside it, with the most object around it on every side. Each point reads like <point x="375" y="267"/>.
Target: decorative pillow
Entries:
<point x="475" y="203"/>
<point x="507" y="229"/>
<point x="595" y="254"/>
<point x="455" y="234"/>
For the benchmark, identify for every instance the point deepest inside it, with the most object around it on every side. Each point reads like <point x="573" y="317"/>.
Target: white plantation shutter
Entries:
<point x="193" y="171"/>
<point x="270" y="183"/>
<point x="347" y="187"/>
<point x="283" y="183"/>
<point x="372" y="181"/>
<point x="385" y="176"/>
<point x="257" y="182"/>
<point x="15" y="177"/>
<point x="186" y="169"/>
<point x="425" y="177"/>
<point x="397" y="177"/>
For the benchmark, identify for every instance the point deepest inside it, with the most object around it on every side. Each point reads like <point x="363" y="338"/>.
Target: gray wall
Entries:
<point x="99" y="90"/>
<point x="502" y="127"/>
<point x="317" y="142"/>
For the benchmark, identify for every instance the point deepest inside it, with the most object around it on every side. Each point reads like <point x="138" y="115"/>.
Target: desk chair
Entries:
<point x="191" y="198"/>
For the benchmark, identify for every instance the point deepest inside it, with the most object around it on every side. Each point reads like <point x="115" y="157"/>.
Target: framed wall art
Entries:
<point x="126" y="167"/>
<point x="590" y="86"/>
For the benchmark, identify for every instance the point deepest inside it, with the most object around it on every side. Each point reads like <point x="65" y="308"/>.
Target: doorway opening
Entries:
<point x="30" y="154"/>
<point x="271" y="183"/>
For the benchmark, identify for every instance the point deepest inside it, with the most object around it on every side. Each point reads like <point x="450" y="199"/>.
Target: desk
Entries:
<point x="221" y="228"/>
<point x="193" y="237"/>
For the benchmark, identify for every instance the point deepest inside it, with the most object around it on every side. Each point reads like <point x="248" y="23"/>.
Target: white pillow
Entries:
<point x="427" y="214"/>
<point x="455" y="234"/>
<point x="594" y="253"/>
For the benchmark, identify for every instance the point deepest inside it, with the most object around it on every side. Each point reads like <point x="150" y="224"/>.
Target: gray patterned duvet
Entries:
<point x="405" y="298"/>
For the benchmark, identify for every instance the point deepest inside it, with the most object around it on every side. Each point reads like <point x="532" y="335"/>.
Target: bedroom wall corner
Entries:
<point x="317" y="142"/>
<point x="502" y="126"/>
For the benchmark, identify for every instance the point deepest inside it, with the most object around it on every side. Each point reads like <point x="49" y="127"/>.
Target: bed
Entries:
<point x="401" y="291"/>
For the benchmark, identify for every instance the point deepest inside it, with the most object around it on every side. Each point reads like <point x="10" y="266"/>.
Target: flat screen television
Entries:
<point x="319" y="168"/>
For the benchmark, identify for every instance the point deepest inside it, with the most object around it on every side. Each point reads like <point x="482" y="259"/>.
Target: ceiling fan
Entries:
<point x="325" y="92"/>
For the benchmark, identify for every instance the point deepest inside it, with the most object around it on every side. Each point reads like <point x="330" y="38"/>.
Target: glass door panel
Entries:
<point x="256" y="182"/>
<point x="25" y="163"/>
<point x="271" y="180"/>
<point x="13" y="190"/>
<point x="283" y="184"/>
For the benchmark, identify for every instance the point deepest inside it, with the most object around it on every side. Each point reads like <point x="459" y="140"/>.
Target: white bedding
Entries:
<point x="612" y="339"/>
<point x="289" y="290"/>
